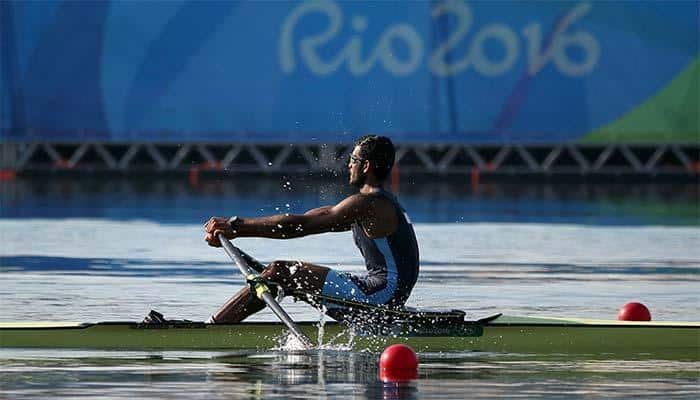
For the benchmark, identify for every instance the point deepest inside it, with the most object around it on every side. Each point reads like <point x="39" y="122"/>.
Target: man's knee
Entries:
<point x="279" y="270"/>
<point x="295" y="275"/>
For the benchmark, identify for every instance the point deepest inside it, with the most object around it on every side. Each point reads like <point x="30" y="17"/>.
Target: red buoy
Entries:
<point x="634" y="312"/>
<point x="398" y="356"/>
<point x="398" y="362"/>
<point x="397" y="375"/>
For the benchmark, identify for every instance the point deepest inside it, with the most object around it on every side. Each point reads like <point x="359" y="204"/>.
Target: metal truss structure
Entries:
<point x="581" y="159"/>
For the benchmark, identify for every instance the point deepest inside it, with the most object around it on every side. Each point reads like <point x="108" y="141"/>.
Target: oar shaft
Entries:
<point x="284" y="317"/>
<point x="266" y="296"/>
<point x="235" y="255"/>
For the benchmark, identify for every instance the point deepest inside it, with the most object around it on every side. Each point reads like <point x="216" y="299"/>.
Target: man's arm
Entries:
<point x="319" y="210"/>
<point x="335" y="218"/>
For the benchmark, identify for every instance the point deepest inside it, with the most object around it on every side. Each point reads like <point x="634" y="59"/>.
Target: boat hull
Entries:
<point x="504" y="334"/>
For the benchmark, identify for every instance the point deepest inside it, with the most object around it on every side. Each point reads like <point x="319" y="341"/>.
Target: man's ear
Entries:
<point x="367" y="167"/>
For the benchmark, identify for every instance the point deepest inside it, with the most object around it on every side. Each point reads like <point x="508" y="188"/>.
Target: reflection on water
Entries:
<point x="177" y="200"/>
<point x="324" y="374"/>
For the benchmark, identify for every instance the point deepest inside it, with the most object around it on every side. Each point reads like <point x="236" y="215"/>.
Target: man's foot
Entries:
<point x="154" y="317"/>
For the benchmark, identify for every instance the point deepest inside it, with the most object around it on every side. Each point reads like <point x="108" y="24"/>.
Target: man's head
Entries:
<point x="372" y="154"/>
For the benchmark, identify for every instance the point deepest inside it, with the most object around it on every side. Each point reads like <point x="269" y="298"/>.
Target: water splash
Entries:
<point x="290" y="342"/>
<point x="321" y="326"/>
<point x="343" y="341"/>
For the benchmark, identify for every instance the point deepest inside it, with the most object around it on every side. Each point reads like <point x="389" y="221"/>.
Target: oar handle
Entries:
<point x="265" y="295"/>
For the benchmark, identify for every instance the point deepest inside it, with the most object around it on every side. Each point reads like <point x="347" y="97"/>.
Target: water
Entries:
<point x="324" y="374"/>
<point x="93" y="250"/>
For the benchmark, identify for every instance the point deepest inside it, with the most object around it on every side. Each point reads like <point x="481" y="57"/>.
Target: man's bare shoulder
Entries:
<point x="366" y="205"/>
<point x="364" y="199"/>
<point x="354" y="201"/>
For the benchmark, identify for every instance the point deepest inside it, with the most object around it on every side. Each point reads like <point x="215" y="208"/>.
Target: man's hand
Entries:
<point x="217" y="225"/>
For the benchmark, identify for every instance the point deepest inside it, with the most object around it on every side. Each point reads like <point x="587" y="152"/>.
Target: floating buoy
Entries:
<point x="397" y="363"/>
<point x="397" y="375"/>
<point x="634" y="312"/>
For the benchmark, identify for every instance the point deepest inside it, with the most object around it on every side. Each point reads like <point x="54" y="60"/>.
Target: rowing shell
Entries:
<point x="497" y="334"/>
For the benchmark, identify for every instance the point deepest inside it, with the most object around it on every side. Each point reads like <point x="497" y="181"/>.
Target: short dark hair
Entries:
<point x="379" y="151"/>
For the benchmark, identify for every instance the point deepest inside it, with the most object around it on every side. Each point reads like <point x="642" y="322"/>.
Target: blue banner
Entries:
<point x="325" y="71"/>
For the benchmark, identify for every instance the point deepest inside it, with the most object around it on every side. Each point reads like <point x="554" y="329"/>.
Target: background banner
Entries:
<point x="325" y="71"/>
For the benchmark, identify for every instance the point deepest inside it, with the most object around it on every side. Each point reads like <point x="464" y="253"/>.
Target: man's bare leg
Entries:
<point x="289" y="275"/>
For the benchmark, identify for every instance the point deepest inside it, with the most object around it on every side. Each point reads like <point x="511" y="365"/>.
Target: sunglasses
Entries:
<point x="352" y="159"/>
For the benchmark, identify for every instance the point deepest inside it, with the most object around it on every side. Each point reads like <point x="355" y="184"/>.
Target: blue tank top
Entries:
<point x="389" y="260"/>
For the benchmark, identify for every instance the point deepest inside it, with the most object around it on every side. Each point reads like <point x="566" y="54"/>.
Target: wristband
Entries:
<point x="233" y="221"/>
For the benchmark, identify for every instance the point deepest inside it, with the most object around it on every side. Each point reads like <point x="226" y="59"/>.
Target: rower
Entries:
<point x="381" y="230"/>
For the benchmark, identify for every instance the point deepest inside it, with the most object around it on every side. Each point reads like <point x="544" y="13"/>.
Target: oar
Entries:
<point x="262" y="291"/>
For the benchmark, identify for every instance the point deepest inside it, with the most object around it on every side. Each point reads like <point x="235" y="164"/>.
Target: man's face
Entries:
<point x="356" y="165"/>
